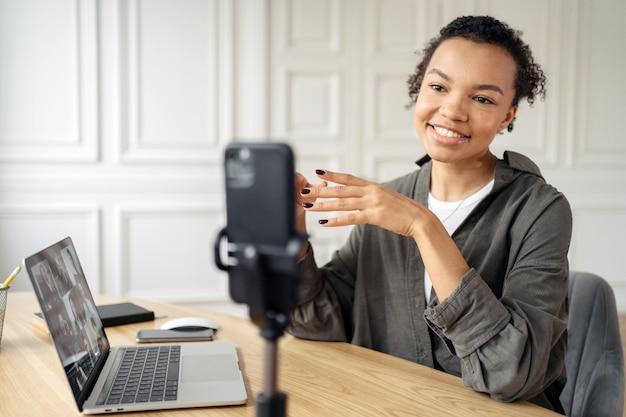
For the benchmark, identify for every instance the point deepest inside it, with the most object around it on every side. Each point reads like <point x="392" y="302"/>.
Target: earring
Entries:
<point x="510" y="126"/>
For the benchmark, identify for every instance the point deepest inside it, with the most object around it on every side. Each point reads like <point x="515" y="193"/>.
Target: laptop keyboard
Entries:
<point x="144" y="374"/>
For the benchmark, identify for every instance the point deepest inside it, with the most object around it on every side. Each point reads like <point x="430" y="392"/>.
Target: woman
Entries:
<point x="462" y="264"/>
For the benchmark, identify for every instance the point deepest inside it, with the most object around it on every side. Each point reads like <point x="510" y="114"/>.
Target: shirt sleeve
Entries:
<point x="325" y="296"/>
<point x="514" y="346"/>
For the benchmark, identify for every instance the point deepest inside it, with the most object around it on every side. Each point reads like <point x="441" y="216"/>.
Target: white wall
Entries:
<point x="114" y="115"/>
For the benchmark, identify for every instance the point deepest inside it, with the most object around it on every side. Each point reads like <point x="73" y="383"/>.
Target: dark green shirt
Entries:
<point x="503" y="330"/>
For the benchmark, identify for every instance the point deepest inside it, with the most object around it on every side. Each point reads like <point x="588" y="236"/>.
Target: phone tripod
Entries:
<point x="266" y="279"/>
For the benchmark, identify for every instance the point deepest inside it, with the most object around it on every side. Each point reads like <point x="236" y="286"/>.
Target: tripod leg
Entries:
<point x="270" y="372"/>
<point x="270" y="402"/>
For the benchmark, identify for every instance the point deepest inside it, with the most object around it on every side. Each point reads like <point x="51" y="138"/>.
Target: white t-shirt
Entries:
<point x="451" y="214"/>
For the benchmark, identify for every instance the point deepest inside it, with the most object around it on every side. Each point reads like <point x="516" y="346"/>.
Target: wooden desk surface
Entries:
<point x="319" y="378"/>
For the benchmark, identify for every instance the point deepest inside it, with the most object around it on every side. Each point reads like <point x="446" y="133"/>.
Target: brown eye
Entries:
<point x="483" y="100"/>
<point x="437" y="87"/>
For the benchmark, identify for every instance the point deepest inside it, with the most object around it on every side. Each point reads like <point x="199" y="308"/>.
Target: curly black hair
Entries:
<point x="530" y="80"/>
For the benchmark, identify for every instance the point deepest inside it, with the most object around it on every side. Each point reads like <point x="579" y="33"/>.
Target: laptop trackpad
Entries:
<point x="203" y="368"/>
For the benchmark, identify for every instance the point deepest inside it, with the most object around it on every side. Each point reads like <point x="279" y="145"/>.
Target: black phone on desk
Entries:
<point x="161" y="335"/>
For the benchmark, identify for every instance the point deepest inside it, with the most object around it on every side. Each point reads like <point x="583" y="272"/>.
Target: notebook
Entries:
<point x="196" y="374"/>
<point x="118" y="314"/>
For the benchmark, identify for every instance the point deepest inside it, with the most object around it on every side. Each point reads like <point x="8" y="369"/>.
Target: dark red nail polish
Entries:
<point x="307" y="205"/>
<point x="323" y="221"/>
<point x="320" y="172"/>
<point x="305" y="191"/>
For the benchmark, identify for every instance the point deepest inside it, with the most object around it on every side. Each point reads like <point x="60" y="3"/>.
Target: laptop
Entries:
<point x="194" y="374"/>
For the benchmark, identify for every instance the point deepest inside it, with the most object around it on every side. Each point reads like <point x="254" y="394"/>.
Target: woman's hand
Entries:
<point x="372" y="203"/>
<point x="300" y="183"/>
<point x="367" y="202"/>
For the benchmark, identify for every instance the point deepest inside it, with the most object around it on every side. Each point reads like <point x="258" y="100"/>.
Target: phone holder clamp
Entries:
<point x="265" y="277"/>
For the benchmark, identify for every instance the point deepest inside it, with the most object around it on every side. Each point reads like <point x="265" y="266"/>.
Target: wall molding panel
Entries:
<point x="309" y="76"/>
<point x="593" y="225"/>
<point x="165" y="251"/>
<point x="47" y="224"/>
<point x="307" y="90"/>
<point x="49" y="101"/>
<point x="169" y="95"/>
<point x="386" y="120"/>
<point x="313" y="28"/>
<point x="597" y="70"/>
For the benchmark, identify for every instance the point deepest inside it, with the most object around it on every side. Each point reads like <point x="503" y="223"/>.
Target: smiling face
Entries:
<point x="465" y="99"/>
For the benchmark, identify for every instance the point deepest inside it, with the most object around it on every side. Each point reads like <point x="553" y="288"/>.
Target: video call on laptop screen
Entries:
<point x="68" y="308"/>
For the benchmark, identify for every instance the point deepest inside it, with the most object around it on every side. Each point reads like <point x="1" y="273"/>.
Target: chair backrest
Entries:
<point x="595" y="359"/>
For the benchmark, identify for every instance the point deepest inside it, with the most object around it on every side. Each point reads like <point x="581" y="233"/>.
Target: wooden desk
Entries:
<point x="320" y="379"/>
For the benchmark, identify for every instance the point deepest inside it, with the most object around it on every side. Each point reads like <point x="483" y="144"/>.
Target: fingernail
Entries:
<point x="307" y="205"/>
<point x="305" y="191"/>
<point x="320" y="172"/>
<point x="323" y="221"/>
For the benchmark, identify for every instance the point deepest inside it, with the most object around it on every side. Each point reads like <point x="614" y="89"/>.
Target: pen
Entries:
<point x="11" y="277"/>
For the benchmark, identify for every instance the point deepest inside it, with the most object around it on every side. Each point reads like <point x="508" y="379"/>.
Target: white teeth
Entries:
<point x="447" y="133"/>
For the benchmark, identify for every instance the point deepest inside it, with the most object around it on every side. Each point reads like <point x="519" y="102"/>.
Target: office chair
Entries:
<point x="595" y="361"/>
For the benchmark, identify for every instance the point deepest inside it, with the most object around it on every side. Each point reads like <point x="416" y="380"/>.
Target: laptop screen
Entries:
<point x="70" y="312"/>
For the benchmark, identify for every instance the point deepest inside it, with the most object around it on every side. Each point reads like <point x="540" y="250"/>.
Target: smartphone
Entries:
<point x="160" y="335"/>
<point x="260" y="193"/>
<point x="260" y="215"/>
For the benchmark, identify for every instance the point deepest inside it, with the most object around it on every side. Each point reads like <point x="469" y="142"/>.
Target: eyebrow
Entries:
<point x="478" y="86"/>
